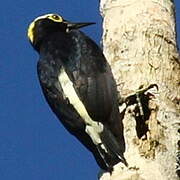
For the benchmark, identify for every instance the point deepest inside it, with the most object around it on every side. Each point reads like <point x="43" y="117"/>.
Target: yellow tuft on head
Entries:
<point x="53" y="17"/>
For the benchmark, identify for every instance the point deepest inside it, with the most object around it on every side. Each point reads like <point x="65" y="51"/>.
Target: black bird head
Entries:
<point x="45" y="25"/>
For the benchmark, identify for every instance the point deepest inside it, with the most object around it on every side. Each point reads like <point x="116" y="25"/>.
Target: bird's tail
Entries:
<point x="109" y="151"/>
<point x="112" y="153"/>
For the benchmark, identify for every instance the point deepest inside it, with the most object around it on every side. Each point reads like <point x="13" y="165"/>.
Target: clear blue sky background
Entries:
<point x="33" y="144"/>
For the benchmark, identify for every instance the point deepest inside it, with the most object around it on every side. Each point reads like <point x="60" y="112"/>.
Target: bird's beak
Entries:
<point x="71" y="25"/>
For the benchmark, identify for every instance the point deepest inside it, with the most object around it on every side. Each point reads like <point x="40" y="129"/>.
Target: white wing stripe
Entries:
<point x="71" y="94"/>
<point x="93" y="128"/>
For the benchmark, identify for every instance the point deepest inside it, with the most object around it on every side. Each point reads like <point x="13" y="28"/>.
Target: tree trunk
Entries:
<point x="139" y="41"/>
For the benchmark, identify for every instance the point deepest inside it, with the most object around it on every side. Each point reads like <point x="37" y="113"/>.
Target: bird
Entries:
<point x="79" y="86"/>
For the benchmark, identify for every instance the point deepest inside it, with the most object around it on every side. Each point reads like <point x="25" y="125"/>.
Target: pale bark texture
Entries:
<point x="139" y="42"/>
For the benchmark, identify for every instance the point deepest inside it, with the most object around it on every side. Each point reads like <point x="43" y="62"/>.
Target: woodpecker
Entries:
<point x="78" y="85"/>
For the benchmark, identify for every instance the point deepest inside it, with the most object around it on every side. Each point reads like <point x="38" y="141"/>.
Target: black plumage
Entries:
<point x="79" y="87"/>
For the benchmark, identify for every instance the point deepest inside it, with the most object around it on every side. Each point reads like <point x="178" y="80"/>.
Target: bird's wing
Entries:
<point x="96" y="95"/>
<point x="54" y="95"/>
<point x="93" y="79"/>
<point x="95" y="86"/>
<point x="66" y="113"/>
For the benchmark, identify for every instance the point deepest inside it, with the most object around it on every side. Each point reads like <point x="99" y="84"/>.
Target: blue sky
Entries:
<point x="33" y="144"/>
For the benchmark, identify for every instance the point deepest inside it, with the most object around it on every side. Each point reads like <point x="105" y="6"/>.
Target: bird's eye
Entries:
<point x="55" y="17"/>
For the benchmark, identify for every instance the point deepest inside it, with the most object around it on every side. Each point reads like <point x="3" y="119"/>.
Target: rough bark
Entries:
<point x="139" y="41"/>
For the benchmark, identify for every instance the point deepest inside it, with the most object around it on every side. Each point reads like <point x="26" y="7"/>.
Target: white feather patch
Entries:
<point x="93" y="128"/>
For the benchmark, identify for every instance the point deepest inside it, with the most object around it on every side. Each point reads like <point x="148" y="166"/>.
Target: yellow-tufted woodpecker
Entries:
<point x="78" y="84"/>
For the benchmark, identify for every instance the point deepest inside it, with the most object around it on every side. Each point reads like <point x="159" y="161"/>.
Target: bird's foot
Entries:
<point x="135" y="97"/>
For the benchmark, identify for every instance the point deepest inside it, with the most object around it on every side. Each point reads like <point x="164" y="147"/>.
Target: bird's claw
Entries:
<point x="143" y="90"/>
<point x="132" y="98"/>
